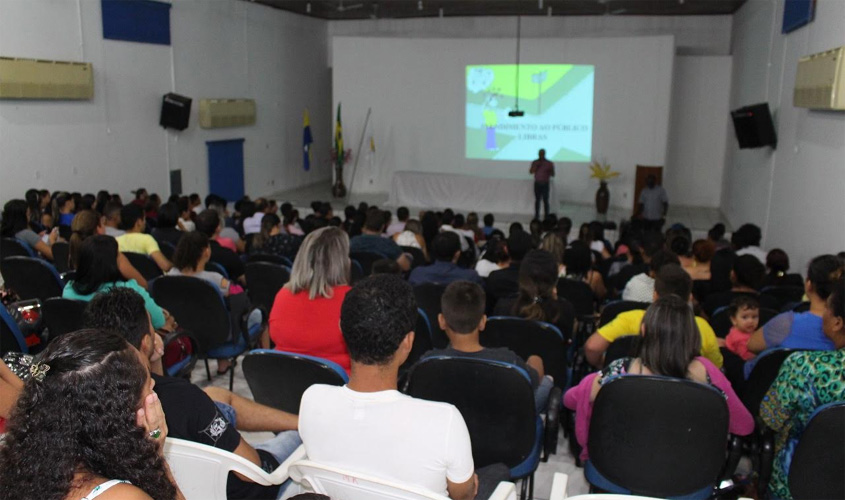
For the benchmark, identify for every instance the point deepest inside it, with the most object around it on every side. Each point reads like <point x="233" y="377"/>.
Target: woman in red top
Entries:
<point x="305" y="318"/>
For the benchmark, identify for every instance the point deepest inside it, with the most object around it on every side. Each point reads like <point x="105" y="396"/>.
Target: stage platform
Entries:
<point x="698" y="219"/>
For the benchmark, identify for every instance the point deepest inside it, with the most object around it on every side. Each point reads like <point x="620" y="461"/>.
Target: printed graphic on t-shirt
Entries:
<point x="216" y="428"/>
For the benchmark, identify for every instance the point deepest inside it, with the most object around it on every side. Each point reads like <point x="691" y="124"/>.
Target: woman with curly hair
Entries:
<point x="87" y="424"/>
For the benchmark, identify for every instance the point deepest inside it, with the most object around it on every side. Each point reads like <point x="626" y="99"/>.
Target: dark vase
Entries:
<point x="602" y="198"/>
<point x="339" y="189"/>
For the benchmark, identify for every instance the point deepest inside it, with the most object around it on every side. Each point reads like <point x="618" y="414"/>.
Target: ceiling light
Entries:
<point x="540" y="4"/>
<point x="308" y="7"/>
<point x="419" y="5"/>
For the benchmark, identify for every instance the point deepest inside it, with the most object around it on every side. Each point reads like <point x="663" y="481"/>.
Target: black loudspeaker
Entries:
<point x="175" y="111"/>
<point x="754" y="126"/>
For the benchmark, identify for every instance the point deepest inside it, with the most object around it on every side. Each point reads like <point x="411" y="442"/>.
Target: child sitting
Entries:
<point x="745" y="316"/>
<point x="463" y="319"/>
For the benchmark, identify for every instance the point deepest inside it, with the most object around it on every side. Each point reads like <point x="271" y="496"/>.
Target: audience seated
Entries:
<point x="671" y="280"/>
<point x="806" y="381"/>
<point x="166" y="230"/>
<point x="15" y="224"/>
<point x="488" y="228"/>
<point x="746" y="241"/>
<point x="87" y="424"/>
<point x="698" y="266"/>
<point x="537" y="298"/>
<point x="97" y="271"/>
<point x="270" y="239"/>
<point x="495" y="257"/>
<point x="371" y="240"/>
<point x="669" y="345"/>
<point x="641" y="287"/>
<point x="803" y="330"/>
<point x="87" y="223"/>
<point x="551" y="243"/>
<point x="746" y="276"/>
<point x="190" y="258"/>
<point x="135" y="240"/>
<point x="64" y="207"/>
<point x="209" y="223"/>
<point x="185" y="223"/>
<point x="228" y="236"/>
<point x="505" y="282"/>
<point x="578" y="260"/>
<point x="368" y="425"/>
<point x="252" y="224"/>
<point x="208" y="417"/>
<point x="446" y="249"/>
<point x="447" y="224"/>
<point x="397" y="226"/>
<point x="716" y="234"/>
<point x="111" y="218"/>
<point x="651" y="243"/>
<point x="306" y="312"/>
<point x="777" y="264"/>
<point x="411" y="236"/>
<point x="745" y="317"/>
<point x="463" y="319"/>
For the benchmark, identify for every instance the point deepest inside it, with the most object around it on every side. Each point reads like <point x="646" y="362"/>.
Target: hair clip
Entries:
<point x="39" y="371"/>
<point x="537" y="299"/>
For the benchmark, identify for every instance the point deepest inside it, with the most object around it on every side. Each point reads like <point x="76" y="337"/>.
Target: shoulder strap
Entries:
<point x="101" y="488"/>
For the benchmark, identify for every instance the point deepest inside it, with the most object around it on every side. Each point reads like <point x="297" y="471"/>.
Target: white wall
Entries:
<point x="416" y="90"/>
<point x="220" y="49"/>
<point x="794" y="193"/>
<point x="698" y="130"/>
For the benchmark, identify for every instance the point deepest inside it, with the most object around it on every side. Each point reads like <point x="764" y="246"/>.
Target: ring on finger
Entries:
<point x="155" y="433"/>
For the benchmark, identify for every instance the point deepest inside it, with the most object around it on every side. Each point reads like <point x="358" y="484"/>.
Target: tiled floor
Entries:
<point x="562" y="461"/>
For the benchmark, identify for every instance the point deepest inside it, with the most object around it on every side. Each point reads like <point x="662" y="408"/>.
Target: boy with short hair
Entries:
<point x="488" y="225"/>
<point x="463" y="319"/>
<point x="745" y="316"/>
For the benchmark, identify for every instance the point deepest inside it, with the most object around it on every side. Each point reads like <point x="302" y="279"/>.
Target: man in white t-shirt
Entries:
<point x="369" y="426"/>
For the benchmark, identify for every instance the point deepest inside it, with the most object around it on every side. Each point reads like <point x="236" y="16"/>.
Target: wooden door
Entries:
<point x="643" y="172"/>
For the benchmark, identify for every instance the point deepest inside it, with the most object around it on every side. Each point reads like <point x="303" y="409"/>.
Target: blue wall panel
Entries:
<point x="226" y="168"/>
<point x="136" y="21"/>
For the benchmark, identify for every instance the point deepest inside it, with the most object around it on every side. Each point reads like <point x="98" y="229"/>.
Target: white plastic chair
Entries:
<point x="201" y="471"/>
<point x="340" y="483"/>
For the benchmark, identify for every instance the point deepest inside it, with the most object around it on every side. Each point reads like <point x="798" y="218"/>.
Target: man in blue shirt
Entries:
<point x="445" y="248"/>
<point x="371" y="240"/>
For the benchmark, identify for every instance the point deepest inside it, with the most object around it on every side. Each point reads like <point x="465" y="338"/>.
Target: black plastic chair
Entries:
<point x="278" y="379"/>
<point x="62" y="316"/>
<point x="579" y="294"/>
<point x="527" y="338"/>
<point x="613" y="309"/>
<point x="31" y="278"/>
<point x="201" y="309"/>
<point x="356" y="272"/>
<point x="497" y="403"/>
<point x="366" y="259"/>
<point x="265" y="280"/>
<point x="784" y="294"/>
<point x="144" y="264"/>
<point x="622" y="347"/>
<point x="216" y="267"/>
<point x="167" y="249"/>
<point x="760" y="378"/>
<point x="721" y="320"/>
<point x="61" y="256"/>
<point x="818" y="465"/>
<point x="422" y="342"/>
<point x="428" y="299"/>
<point x="269" y="257"/>
<point x="11" y="338"/>
<point x="13" y="247"/>
<point x="658" y="436"/>
<point x="418" y="256"/>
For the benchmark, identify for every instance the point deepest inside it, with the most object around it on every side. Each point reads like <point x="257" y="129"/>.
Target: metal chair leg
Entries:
<point x="232" y="375"/>
<point x="207" y="370"/>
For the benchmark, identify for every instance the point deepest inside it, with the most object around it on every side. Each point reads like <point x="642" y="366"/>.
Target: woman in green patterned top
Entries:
<point x="806" y="381"/>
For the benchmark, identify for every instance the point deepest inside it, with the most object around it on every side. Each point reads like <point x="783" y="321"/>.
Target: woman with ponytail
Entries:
<point x="803" y="330"/>
<point x="537" y="299"/>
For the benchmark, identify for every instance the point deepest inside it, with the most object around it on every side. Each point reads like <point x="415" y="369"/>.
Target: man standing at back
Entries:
<point x="369" y="426"/>
<point x="653" y="204"/>
<point x="543" y="170"/>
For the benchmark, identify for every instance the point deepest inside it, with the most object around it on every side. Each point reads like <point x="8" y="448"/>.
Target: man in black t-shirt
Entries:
<point x="208" y="417"/>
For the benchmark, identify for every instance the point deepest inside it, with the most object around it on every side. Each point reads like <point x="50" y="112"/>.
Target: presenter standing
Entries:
<point x="543" y="170"/>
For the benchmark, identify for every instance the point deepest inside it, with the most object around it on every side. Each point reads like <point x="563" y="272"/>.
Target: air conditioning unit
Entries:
<point x="39" y="79"/>
<point x="218" y="113"/>
<point x="820" y="81"/>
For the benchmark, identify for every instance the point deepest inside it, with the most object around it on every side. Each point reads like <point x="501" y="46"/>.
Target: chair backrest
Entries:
<point x="720" y="321"/>
<point x="422" y="341"/>
<point x="61" y="256"/>
<point x="11" y="338"/>
<point x="658" y="436"/>
<point x="356" y="271"/>
<point x="278" y="379"/>
<point x="765" y="372"/>
<point x="366" y="260"/>
<point x="613" y="309"/>
<point x="216" y="267"/>
<point x="14" y="247"/>
<point x="167" y="249"/>
<point x="62" y="315"/>
<point x="495" y="399"/>
<point x="579" y="294"/>
<point x="31" y="278"/>
<point x="620" y="348"/>
<point x="784" y="294"/>
<point x="428" y="299"/>
<point x="197" y="305"/>
<point x="526" y="338"/>
<point x="417" y="254"/>
<point x="818" y="465"/>
<point x="270" y="257"/>
<point x="340" y="483"/>
<point x="202" y="471"/>
<point x="144" y="264"/>
<point x="265" y="280"/>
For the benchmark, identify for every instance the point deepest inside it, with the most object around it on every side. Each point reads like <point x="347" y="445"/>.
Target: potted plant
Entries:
<point x="602" y="172"/>
<point x="339" y="189"/>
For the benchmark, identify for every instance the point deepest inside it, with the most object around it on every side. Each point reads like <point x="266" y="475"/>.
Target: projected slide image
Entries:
<point x="558" y="103"/>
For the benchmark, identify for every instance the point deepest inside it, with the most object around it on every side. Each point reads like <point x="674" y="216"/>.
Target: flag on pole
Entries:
<point x="306" y="140"/>
<point x="338" y="140"/>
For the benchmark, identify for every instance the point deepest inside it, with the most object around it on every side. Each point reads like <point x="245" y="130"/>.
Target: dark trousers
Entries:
<point x="489" y="478"/>
<point x="541" y="191"/>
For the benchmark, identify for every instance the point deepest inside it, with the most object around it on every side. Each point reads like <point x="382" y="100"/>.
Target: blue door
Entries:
<point x="226" y="168"/>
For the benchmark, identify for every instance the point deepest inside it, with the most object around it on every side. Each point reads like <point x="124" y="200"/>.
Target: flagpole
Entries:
<point x="358" y="154"/>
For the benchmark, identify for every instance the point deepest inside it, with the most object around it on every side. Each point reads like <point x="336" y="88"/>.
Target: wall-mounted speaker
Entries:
<point x="754" y="126"/>
<point x="175" y="111"/>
